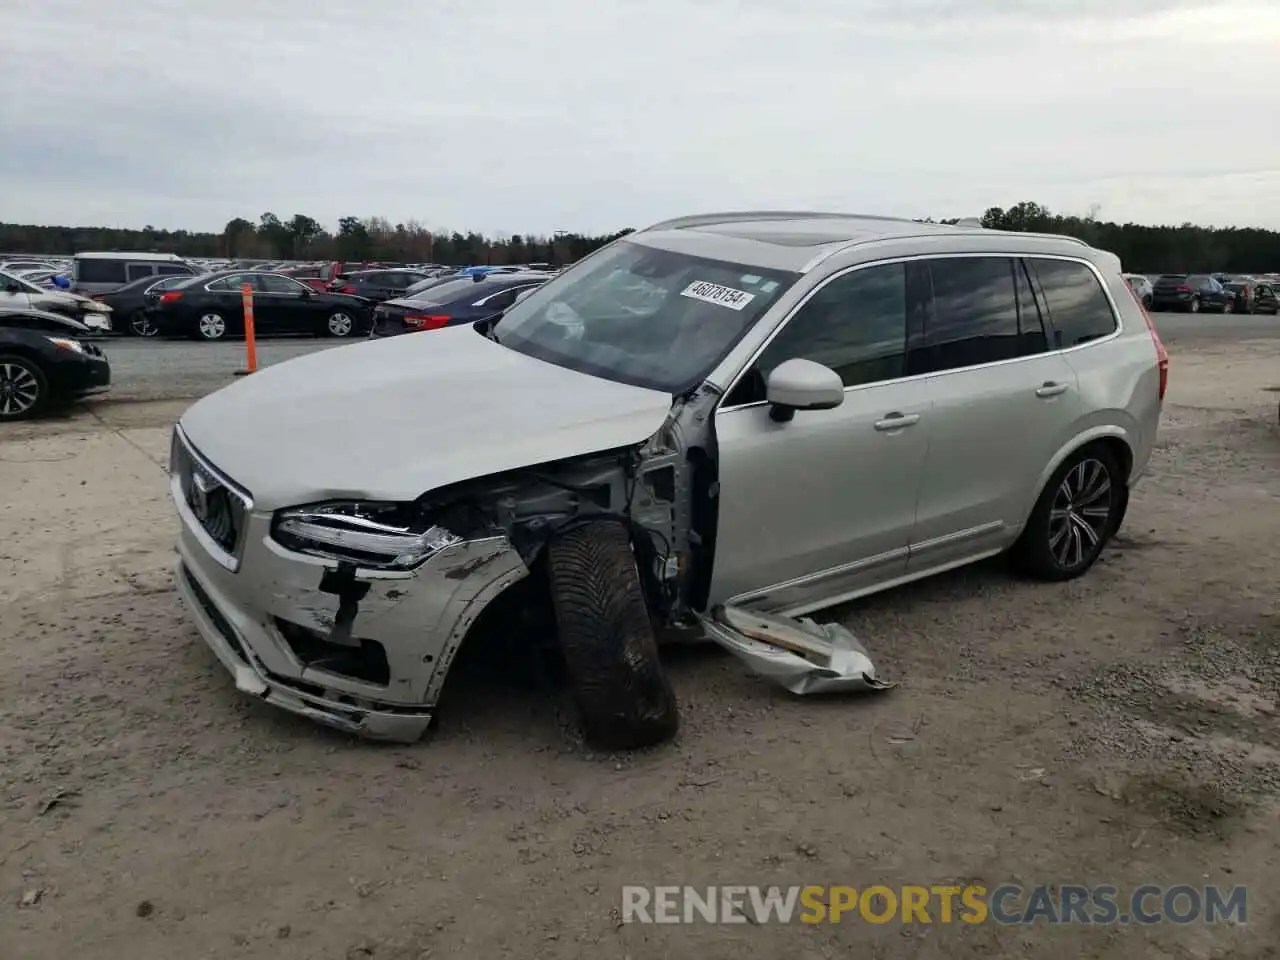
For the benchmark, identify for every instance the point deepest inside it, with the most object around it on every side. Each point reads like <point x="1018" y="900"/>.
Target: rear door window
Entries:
<point x="136" y="271"/>
<point x="976" y="316"/>
<point x="1079" y="309"/>
<point x="94" y="270"/>
<point x="173" y="270"/>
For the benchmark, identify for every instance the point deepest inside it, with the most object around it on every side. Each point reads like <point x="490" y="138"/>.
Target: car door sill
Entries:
<point x="760" y="599"/>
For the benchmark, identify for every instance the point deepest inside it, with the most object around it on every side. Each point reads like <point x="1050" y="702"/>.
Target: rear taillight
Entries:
<point x="1162" y="355"/>
<point x="100" y="297"/>
<point x="1183" y="288"/>
<point x="423" y="322"/>
<point x="347" y="289"/>
<point x="169" y="296"/>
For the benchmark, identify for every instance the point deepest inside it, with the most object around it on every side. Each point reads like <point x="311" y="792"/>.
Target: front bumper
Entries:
<point x="250" y="617"/>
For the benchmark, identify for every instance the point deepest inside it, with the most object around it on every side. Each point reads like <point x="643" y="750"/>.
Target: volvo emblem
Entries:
<point x="198" y="498"/>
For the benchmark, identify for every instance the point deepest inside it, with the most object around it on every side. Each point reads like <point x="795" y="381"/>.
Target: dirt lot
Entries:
<point x="1120" y="729"/>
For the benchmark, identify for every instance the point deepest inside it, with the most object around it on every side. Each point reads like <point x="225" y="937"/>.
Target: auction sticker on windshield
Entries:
<point x="714" y="293"/>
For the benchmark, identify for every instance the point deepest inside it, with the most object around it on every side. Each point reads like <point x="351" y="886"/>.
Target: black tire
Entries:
<point x="19" y="377"/>
<point x="140" y="325"/>
<point x="1041" y="552"/>
<point x="611" y="654"/>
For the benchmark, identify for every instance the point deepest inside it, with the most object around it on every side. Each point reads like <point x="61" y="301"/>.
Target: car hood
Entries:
<point x="396" y="418"/>
<point x="52" y="299"/>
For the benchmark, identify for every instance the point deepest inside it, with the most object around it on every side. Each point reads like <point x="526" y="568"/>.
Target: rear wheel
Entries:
<point x="340" y="324"/>
<point x="611" y="654"/>
<point x="1229" y="307"/>
<point x="211" y="326"/>
<point x="1078" y="511"/>
<point x="140" y="325"/>
<point x="1193" y="306"/>
<point x="23" y="388"/>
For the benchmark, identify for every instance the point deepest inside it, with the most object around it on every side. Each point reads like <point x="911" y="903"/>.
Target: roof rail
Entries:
<point x="703" y="219"/>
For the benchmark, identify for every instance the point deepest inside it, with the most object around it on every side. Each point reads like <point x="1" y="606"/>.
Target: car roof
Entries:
<point x="797" y="241"/>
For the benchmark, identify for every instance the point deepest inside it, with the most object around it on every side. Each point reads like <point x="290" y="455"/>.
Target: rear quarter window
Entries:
<point x="1079" y="309"/>
<point x="100" y="271"/>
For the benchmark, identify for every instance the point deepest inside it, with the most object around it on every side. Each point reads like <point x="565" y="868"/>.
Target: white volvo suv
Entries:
<point x="762" y="412"/>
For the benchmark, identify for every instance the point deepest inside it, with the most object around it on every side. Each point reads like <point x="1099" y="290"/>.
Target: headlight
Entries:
<point x="66" y="343"/>
<point x="385" y="536"/>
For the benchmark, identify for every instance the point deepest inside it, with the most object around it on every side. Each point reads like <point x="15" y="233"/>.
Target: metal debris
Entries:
<point x="796" y="653"/>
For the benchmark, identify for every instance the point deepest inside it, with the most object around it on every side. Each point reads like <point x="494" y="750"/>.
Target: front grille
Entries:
<point x="212" y="498"/>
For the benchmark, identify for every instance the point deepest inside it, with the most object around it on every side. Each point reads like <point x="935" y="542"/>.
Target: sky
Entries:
<point x="502" y="116"/>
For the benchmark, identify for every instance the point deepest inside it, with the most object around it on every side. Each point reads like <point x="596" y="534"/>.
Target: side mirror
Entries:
<point x="802" y="385"/>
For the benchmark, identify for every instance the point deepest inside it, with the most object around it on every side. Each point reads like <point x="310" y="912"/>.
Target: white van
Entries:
<point x="103" y="272"/>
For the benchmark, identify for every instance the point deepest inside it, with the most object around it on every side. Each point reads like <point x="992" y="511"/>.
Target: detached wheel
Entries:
<point x="211" y="326"/>
<point x="1079" y="510"/>
<point x="623" y="696"/>
<point x="340" y="324"/>
<point x="23" y="388"/>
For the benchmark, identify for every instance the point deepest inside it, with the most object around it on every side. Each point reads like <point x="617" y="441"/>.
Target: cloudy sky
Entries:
<point x="506" y="116"/>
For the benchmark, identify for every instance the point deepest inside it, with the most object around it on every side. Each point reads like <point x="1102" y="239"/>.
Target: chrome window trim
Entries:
<point x="915" y="258"/>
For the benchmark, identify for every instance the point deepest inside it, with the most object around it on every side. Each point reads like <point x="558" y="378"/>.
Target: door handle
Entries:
<point x="1051" y="389"/>
<point x="897" y="421"/>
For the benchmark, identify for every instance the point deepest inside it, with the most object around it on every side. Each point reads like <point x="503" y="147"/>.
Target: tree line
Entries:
<point x="1153" y="249"/>
<point x="301" y="237"/>
<point x="1141" y="248"/>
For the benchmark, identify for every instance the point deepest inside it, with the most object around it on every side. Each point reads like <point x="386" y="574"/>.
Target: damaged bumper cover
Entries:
<point x="287" y="638"/>
<point x="797" y="654"/>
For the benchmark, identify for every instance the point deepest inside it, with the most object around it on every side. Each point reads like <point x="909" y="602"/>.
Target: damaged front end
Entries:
<point x="351" y="612"/>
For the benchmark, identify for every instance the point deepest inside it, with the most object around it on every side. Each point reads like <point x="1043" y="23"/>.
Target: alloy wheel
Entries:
<point x="340" y="325"/>
<point x="1081" y="513"/>
<point x="19" y="389"/>
<point x="142" y="326"/>
<point x="1195" y="306"/>
<point x="212" y="326"/>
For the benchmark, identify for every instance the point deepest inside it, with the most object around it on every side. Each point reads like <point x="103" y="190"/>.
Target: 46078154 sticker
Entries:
<point x="714" y="293"/>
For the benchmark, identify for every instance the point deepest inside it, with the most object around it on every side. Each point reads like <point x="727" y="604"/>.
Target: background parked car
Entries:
<point x="103" y="272"/>
<point x="45" y="358"/>
<point x="377" y="285"/>
<point x="459" y="300"/>
<point x="19" y="294"/>
<point x="1191" y="293"/>
<point x="1244" y="292"/>
<point x="131" y="304"/>
<point x="1265" y="299"/>
<point x="210" y="307"/>
<point x="1141" y="286"/>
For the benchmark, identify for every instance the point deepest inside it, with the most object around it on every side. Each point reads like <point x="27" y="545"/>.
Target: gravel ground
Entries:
<point x="1118" y="729"/>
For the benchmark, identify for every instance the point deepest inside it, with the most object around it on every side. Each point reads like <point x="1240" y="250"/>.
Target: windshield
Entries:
<point x="643" y="316"/>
